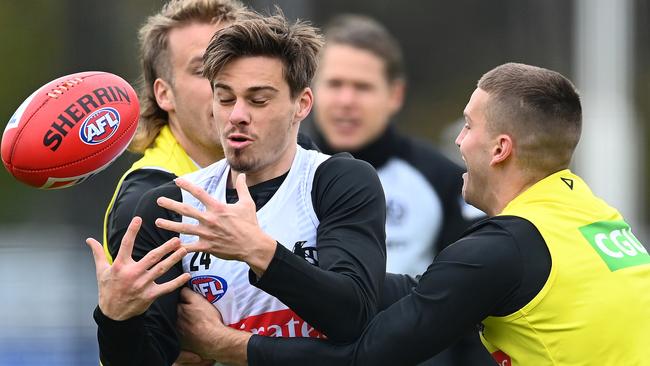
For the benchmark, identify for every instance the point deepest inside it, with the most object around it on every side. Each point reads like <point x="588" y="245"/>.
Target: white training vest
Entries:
<point x="288" y="217"/>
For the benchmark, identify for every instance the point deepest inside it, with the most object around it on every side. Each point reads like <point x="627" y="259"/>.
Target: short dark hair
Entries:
<point x="297" y="45"/>
<point x="540" y="108"/>
<point x="363" y="32"/>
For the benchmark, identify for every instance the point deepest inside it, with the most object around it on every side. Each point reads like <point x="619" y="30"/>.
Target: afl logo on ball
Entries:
<point x="211" y="287"/>
<point x="99" y="126"/>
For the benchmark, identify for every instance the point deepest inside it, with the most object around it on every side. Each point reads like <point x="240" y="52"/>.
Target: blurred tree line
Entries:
<point x="447" y="46"/>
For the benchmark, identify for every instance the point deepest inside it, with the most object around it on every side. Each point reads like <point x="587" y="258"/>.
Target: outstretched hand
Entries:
<point x="127" y="288"/>
<point x="228" y="231"/>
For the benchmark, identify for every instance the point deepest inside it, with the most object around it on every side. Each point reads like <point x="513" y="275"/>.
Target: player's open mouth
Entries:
<point x="239" y="141"/>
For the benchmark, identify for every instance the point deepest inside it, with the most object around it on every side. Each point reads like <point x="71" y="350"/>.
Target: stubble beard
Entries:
<point x="240" y="163"/>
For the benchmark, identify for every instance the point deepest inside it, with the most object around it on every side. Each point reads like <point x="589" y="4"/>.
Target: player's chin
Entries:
<point x="241" y="163"/>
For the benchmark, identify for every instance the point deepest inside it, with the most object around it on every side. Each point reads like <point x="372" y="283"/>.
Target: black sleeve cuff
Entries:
<point x="251" y="348"/>
<point x="107" y="323"/>
<point x="118" y="329"/>
<point x="269" y="276"/>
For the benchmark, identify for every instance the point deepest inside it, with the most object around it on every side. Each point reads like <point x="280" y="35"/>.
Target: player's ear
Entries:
<point x="304" y="102"/>
<point x="164" y="94"/>
<point x="502" y="149"/>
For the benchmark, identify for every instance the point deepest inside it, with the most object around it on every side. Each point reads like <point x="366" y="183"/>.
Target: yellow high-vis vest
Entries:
<point x="594" y="309"/>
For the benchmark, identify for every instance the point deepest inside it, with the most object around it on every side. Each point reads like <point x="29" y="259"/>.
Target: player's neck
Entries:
<point x="201" y="155"/>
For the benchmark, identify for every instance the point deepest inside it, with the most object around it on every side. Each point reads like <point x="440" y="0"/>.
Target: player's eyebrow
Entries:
<point x="251" y="89"/>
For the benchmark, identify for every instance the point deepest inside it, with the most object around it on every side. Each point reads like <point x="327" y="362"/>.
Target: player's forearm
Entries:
<point x="336" y="304"/>
<point x="396" y="286"/>
<point x="127" y="343"/>
<point x="230" y="347"/>
<point x="271" y="351"/>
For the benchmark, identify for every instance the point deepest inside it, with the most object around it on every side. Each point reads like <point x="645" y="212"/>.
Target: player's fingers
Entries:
<point x="101" y="263"/>
<point x="178" y="227"/>
<point x="179" y="207"/>
<point x="126" y="247"/>
<point x="195" y="246"/>
<point x="167" y="263"/>
<point x="243" y="193"/>
<point x="155" y="255"/>
<point x="199" y="193"/>
<point x="172" y="285"/>
<point x="188" y="296"/>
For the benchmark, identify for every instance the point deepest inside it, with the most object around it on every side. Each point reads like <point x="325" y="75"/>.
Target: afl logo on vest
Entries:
<point x="211" y="287"/>
<point x="99" y="126"/>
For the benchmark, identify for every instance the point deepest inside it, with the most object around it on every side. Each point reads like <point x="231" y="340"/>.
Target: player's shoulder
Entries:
<point x="343" y="173"/>
<point x="494" y="237"/>
<point x="141" y="180"/>
<point x="496" y="228"/>
<point x="345" y="164"/>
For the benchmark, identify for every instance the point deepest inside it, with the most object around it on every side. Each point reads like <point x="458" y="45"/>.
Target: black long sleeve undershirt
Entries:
<point x="339" y="297"/>
<point x="134" y="186"/>
<point x="495" y="269"/>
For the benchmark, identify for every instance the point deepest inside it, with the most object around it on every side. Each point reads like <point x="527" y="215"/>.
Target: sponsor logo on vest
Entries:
<point x="615" y="244"/>
<point x="568" y="182"/>
<point x="211" y="287"/>
<point x="502" y="358"/>
<point x="310" y="254"/>
<point x="281" y="323"/>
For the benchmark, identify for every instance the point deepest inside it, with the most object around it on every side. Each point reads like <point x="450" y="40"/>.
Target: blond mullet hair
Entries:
<point x="155" y="58"/>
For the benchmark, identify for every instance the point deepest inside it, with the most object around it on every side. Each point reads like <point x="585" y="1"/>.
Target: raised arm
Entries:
<point x="138" y="294"/>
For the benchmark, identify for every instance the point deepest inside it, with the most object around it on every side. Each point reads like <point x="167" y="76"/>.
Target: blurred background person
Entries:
<point x="358" y="89"/>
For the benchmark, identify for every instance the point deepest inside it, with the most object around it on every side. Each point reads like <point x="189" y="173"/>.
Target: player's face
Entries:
<point x="353" y="99"/>
<point x="191" y="117"/>
<point x="474" y="143"/>
<point x="257" y="117"/>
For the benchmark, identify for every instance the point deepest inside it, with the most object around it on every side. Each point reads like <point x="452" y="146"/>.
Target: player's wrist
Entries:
<point x="231" y="347"/>
<point x="262" y="255"/>
<point x="115" y="312"/>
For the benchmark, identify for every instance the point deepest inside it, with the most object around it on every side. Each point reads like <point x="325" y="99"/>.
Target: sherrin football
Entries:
<point x="70" y="129"/>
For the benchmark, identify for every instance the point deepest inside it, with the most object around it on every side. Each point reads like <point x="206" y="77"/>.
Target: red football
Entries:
<point x="70" y="129"/>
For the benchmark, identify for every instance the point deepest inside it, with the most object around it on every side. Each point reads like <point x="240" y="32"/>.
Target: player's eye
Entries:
<point x="259" y="101"/>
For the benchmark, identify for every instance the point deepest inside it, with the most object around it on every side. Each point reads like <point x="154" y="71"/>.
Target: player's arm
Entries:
<point x="396" y="286"/>
<point x="468" y="281"/>
<point x="134" y="186"/>
<point x="337" y="297"/>
<point x="149" y="338"/>
<point x="340" y="295"/>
